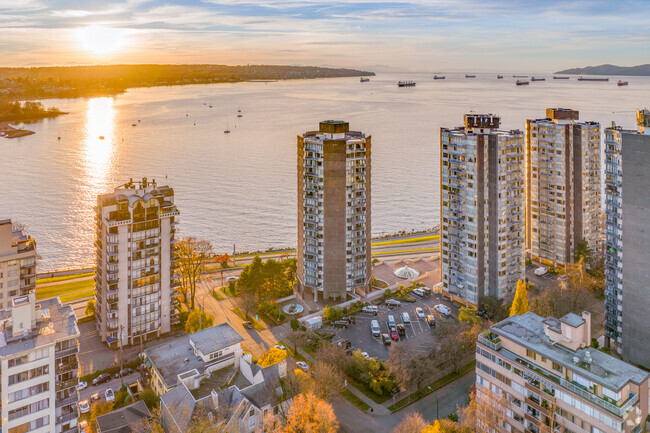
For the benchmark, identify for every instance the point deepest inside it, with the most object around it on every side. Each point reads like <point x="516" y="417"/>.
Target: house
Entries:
<point x="124" y="420"/>
<point x="190" y="358"/>
<point x="254" y="393"/>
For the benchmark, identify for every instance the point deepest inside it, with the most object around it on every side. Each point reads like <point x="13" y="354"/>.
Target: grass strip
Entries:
<point x="407" y="240"/>
<point x="415" y="250"/>
<point x="295" y="355"/>
<point x="369" y="392"/>
<point x="349" y="396"/>
<point x="63" y="289"/>
<point x="216" y="295"/>
<point x="241" y="314"/>
<point x="64" y="278"/>
<point x="437" y="384"/>
<point x="77" y="295"/>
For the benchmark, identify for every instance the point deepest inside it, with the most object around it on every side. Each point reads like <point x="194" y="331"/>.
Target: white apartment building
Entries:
<point x="563" y="186"/>
<point x="546" y="378"/>
<point x="38" y="361"/>
<point x="136" y="227"/>
<point x="481" y="209"/>
<point x="17" y="263"/>
<point x="334" y="202"/>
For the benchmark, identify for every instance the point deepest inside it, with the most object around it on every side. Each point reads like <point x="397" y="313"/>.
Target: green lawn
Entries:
<point x="63" y="289"/>
<point x="258" y="326"/>
<point x="77" y="295"/>
<point x="355" y="400"/>
<point x="369" y="392"/>
<point x="64" y="278"/>
<point x="407" y="240"/>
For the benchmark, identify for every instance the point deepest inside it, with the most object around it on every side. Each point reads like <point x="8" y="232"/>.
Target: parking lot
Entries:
<point x="418" y="337"/>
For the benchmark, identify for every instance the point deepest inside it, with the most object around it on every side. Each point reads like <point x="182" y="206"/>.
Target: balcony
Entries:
<point x="619" y="411"/>
<point x="65" y="418"/>
<point x="65" y="352"/>
<point x="60" y="402"/>
<point x="60" y="386"/>
<point x="68" y="366"/>
<point x="490" y="340"/>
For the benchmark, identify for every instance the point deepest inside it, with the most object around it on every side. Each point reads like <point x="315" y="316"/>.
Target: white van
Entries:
<point x="374" y="328"/>
<point x="391" y="320"/>
<point x="406" y="318"/>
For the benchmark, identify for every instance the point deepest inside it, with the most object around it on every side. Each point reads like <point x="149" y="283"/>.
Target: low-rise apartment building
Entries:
<point x="549" y="379"/>
<point x="38" y="364"/>
<point x="17" y="263"/>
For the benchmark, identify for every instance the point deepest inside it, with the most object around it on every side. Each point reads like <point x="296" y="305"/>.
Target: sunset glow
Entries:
<point x="101" y="41"/>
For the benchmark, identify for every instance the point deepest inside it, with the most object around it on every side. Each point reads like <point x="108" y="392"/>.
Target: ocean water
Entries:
<point x="240" y="188"/>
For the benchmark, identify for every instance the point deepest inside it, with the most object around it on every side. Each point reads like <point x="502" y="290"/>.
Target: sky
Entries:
<point x="402" y="35"/>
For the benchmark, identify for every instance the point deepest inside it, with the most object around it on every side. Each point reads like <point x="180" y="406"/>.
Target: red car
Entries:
<point x="393" y="333"/>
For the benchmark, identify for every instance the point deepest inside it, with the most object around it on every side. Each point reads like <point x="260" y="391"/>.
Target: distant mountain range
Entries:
<point x="641" y="70"/>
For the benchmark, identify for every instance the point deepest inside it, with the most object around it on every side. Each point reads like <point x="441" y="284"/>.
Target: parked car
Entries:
<point x="125" y="372"/>
<point x="302" y="365"/>
<point x="541" y="271"/>
<point x="427" y="290"/>
<point x="406" y="318"/>
<point x="81" y="385"/>
<point x="365" y="355"/>
<point x="418" y="292"/>
<point x="351" y="320"/>
<point x="95" y="397"/>
<point x="340" y="323"/>
<point x="233" y="278"/>
<point x="393" y="303"/>
<point x="104" y="377"/>
<point x="83" y="427"/>
<point x="393" y="333"/>
<point x="280" y="346"/>
<point x="420" y="312"/>
<point x="374" y="328"/>
<point x="443" y="309"/>
<point x="346" y="344"/>
<point x="401" y="330"/>
<point x="372" y="309"/>
<point x="84" y="406"/>
<point x="248" y="325"/>
<point x="391" y="320"/>
<point x="385" y="338"/>
<point x="481" y="312"/>
<point x="109" y="394"/>
<point x="431" y="320"/>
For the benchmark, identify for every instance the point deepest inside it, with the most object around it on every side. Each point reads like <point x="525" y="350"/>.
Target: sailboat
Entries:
<point x="239" y="113"/>
<point x="227" y="131"/>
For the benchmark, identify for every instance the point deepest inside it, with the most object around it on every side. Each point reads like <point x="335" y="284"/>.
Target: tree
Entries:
<point x="583" y="252"/>
<point x="191" y="256"/>
<point x="398" y="356"/>
<point x="468" y="315"/>
<point x="520" y="302"/>
<point x="197" y="320"/>
<point x="485" y="412"/>
<point x="150" y="398"/>
<point x="494" y="308"/>
<point x="99" y="408"/>
<point x="251" y="278"/>
<point x="202" y="423"/>
<point x="272" y="356"/>
<point x="444" y="425"/>
<point x="247" y="302"/>
<point x="328" y="380"/>
<point x="90" y="308"/>
<point x="297" y="338"/>
<point x="307" y="413"/>
<point x="411" y="423"/>
<point x="419" y="369"/>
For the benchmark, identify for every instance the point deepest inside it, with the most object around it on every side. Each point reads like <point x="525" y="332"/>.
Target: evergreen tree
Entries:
<point x="520" y="303"/>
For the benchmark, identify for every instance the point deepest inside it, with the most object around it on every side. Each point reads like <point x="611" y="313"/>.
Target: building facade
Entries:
<point x="481" y="208"/>
<point x="38" y="364"/>
<point x="563" y="205"/>
<point x="17" y="263"/>
<point x="334" y="203"/>
<point x="545" y="377"/>
<point x="135" y="237"/>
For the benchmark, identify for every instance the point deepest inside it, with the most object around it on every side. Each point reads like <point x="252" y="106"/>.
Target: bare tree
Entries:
<point x="296" y="338"/>
<point x="412" y="423"/>
<point x="485" y="412"/>
<point x="191" y="256"/>
<point x="328" y="380"/>
<point x="398" y="356"/>
<point x="247" y="301"/>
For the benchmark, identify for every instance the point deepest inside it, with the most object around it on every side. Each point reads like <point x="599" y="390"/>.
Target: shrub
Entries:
<point x="331" y="313"/>
<point x="271" y="309"/>
<point x="150" y="398"/>
<point x="387" y="294"/>
<point x="594" y="343"/>
<point x="295" y="324"/>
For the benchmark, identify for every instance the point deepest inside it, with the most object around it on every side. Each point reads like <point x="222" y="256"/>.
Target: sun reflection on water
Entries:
<point x="98" y="142"/>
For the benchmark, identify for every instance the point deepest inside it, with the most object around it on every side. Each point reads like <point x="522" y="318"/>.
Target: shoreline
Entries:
<point x="8" y="131"/>
<point x="89" y="268"/>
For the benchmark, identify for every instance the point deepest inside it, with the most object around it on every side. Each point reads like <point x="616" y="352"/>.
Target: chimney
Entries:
<point x="587" y="333"/>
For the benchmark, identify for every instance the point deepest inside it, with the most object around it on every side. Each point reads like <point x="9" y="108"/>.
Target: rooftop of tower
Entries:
<point x="334" y="129"/>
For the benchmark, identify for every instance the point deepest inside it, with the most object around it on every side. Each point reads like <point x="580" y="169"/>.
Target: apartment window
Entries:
<point x="19" y="360"/>
<point x="251" y="418"/>
<point x="531" y="354"/>
<point x="557" y="367"/>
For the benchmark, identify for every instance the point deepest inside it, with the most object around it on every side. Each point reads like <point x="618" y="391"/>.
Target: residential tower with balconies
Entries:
<point x="17" y="263"/>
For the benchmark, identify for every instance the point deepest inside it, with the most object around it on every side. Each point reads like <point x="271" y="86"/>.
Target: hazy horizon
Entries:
<point x="381" y="35"/>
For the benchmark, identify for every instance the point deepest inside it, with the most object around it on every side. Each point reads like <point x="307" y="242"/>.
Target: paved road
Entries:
<point x="114" y="384"/>
<point x="448" y="398"/>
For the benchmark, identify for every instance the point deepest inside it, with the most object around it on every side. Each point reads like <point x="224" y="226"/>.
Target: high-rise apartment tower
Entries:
<point x="481" y="208"/>
<point x="17" y="263"/>
<point x="136" y="226"/>
<point x="563" y="186"/>
<point x="333" y="210"/>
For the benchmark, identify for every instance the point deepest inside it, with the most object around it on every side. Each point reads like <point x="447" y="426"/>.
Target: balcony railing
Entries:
<point x="65" y="352"/>
<point x="60" y="386"/>
<point x="593" y="398"/>
<point x="494" y="344"/>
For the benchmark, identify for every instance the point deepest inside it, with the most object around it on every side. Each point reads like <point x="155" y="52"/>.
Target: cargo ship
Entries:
<point x="406" y="84"/>
<point x="522" y="83"/>
<point x="581" y="78"/>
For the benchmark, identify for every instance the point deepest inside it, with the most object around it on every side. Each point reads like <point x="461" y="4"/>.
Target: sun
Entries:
<point x="101" y="41"/>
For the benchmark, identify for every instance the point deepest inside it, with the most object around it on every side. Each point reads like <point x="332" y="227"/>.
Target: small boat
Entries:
<point x="499" y="77"/>
<point x="581" y="78"/>
<point x="239" y="110"/>
<point x="520" y="76"/>
<point x="186" y="114"/>
<point x="537" y="79"/>
<point x="134" y="124"/>
<point x="58" y="138"/>
<point x="240" y="115"/>
<point x="621" y="83"/>
<point x="101" y="137"/>
<point x="522" y="83"/>
<point x="210" y="106"/>
<point x="227" y="131"/>
<point x="560" y="78"/>
<point x="138" y="120"/>
<point x="438" y="77"/>
<point x="406" y="84"/>
<point x="364" y="80"/>
<point x="470" y="76"/>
